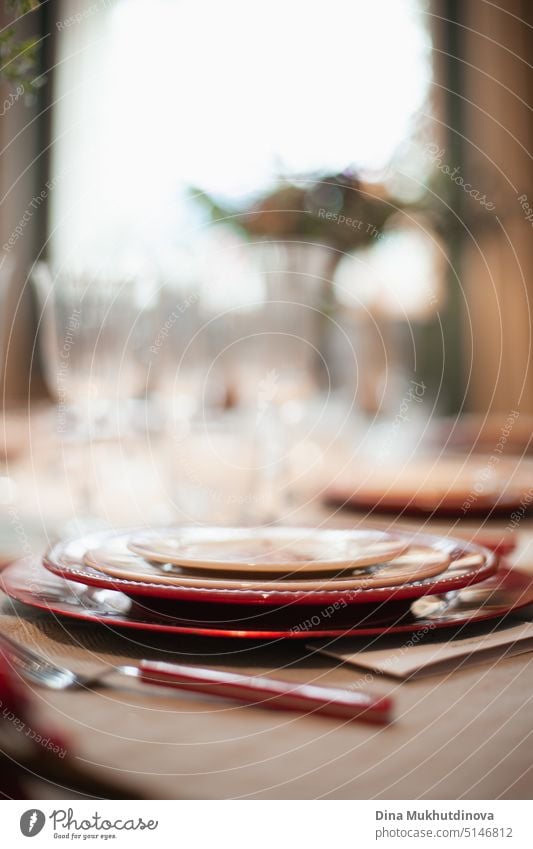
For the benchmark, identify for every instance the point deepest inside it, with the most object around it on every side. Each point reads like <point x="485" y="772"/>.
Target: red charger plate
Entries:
<point x="411" y="505"/>
<point x="28" y="582"/>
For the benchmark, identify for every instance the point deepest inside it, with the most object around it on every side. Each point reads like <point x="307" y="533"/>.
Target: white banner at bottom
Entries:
<point x="351" y="824"/>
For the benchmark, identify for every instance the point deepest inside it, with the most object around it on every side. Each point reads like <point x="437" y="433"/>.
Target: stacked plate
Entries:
<point x="268" y="583"/>
<point x="457" y="485"/>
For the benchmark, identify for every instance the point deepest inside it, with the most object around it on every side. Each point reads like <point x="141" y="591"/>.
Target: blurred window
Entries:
<point x="154" y="96"/>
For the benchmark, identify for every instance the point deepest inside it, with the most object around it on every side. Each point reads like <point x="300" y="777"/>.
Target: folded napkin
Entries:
<point x="422" y="654"/>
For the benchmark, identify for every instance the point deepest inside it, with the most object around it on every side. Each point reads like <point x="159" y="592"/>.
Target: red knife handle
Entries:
<point x="268" y="692"/>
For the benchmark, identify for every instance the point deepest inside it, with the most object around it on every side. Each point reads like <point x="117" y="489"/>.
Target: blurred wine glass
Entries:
<point x="213" y="466"/>
<point x="182" y="357"/>
<point x="240" y="347"/>
<point x="274" y="356"/>
<point x="95" y="333"/>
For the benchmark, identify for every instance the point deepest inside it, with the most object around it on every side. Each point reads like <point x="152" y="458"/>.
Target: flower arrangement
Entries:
<point x="340" y="211"/>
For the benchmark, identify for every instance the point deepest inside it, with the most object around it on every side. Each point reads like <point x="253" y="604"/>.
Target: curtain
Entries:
<point x="23" y="224"/>
<point x="483" y="53"/>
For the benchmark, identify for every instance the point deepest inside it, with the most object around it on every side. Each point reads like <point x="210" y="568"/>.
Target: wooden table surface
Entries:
<point x="462" y="735"/>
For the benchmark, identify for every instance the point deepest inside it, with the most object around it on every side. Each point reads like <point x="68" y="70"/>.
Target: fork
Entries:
<point x="247" y="689"/>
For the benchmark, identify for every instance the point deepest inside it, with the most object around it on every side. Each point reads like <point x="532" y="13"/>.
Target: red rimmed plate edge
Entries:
<point x="90" y="577"/>
<point x="484" y="507"/>
<point x="507" y="574"/>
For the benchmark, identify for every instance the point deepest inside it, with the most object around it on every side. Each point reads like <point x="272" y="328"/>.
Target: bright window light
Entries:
<point x="154" y="96"/>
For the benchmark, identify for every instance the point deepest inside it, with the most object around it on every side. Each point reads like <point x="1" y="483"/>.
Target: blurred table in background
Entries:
<point x="454" y="736"/>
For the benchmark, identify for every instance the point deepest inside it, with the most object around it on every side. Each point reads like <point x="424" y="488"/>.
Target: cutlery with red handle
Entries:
<point x="267" y="692"/>
<point x="247" y="689"/>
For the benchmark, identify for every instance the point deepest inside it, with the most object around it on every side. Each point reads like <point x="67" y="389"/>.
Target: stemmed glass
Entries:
<point x="275" y="357"/>
<point x="208" y="450"/>
<point x="240" y="367"/>
<point x="95" y="334"/>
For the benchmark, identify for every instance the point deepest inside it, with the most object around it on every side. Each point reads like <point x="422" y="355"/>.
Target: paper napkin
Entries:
<point x="414" y="656"/>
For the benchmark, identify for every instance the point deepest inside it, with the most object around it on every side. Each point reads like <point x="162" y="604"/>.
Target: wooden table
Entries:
<point x="466" y="735"/>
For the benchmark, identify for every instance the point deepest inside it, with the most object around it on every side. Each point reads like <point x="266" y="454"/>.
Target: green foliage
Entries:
<point x="21" y="7"/>
<point x="18" y="57"/>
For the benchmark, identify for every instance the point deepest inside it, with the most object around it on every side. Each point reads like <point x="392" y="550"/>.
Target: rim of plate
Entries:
<point x="73" y="569"/>
<point x="366" y="540"/>
<point x="27" y="595"/>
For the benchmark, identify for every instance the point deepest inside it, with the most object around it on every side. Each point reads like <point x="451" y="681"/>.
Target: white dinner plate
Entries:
<point x="416" y="564"/>
<point x="261" y="551"/>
